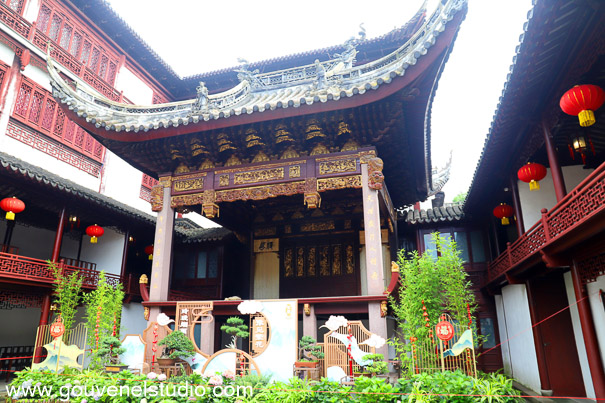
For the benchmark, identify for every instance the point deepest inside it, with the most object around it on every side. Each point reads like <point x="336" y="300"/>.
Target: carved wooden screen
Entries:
<point x="319" y="266"/>
<point x="191" y="314"/>
<point x="336" y="351"/>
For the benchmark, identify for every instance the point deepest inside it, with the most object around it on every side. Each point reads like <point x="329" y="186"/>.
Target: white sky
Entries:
<point x="196" y="36"/>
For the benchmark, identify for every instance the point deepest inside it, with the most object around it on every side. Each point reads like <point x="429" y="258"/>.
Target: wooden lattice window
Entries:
<point x="76" y="38"/>
<point x="36" y="108"/>
<point x="15" y="5"/>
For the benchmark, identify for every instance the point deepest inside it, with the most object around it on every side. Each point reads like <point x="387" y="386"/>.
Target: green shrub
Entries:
<point x="377" y="367"/>
<point x="177" y="345"/>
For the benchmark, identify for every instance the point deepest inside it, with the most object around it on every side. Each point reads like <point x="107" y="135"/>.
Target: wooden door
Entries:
<point x="558" y="338"/>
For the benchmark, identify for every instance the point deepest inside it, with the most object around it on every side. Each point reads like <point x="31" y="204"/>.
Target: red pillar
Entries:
<point x="517" y="205"/>
<point x="555" y="167"/>
<point x="125" y="254"/>
<point x="590" y="337"/>
<point x="58" y="237"/>
<point x="43" y="321"/>
<point x="538" y="343"/>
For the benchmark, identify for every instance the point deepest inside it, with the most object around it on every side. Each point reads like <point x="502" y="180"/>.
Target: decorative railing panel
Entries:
<point x="14" y="21"/>
<point x="30" y="269"/>
<point x="586" y="200"/>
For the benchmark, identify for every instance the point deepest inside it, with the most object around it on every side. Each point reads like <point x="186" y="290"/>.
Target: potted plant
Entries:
<point x="378" y="367"/>
<point x="108" y="354"/>
<point x="309" y="352"/>
<point x="235" y="327"/>
<point x="178" y="346"/>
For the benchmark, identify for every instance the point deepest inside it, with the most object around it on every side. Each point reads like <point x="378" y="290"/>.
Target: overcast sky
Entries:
<point x="199" y="36"/>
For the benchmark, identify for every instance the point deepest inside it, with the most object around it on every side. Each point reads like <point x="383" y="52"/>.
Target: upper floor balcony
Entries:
<point x="577" y="217"/>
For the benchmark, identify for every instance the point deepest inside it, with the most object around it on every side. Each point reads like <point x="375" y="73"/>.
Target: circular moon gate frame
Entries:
<point x="240" y="356"/>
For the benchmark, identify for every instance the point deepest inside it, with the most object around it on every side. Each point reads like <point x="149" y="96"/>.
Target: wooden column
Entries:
<point x="546" y="389"/>
<point x="125" y="254"/>
<point x="555" y="167"/>
<point x="58" y="237"/>
<point x="309" y="321"/>
<point x="43" y="321"/>
<point x="162" y="251"/>
<point x="517" y="205"/>
<point x="589" y="334"/>
<point x="374" y="262"/>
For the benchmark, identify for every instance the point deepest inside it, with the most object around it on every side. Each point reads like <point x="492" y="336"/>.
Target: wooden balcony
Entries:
<point x="576" y="218"/>
<point x="25" y="270"/>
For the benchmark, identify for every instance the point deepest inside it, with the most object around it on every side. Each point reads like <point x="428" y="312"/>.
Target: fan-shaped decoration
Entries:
<point x="581" y="101"/>
<point x="532" y="173"/>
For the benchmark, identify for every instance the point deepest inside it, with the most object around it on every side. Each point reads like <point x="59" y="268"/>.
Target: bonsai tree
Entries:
<point x="308" y="350"/>
<point x="235" y="327"/>
<point x="377" y="367"/>
<point x="109" y="351"/>
<point x="177" y="345"/>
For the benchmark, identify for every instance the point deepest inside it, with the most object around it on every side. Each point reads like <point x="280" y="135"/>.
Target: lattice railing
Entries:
<point x="30" y="269"/>
<point x="14" y="21"/>
<point x="586" y="200"/>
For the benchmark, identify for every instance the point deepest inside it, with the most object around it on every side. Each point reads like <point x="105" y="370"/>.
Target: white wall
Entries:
<point x="123" y="183"/>
<point x="38" y="75"/>
<point x="19" y="327"/>
<point x="6" y="54"/>
<point x="32" y="7"/>
<point x="524" y="362"/>
<point x="577" y="332"/>
<point x="503" y="331"/>
<point x="32" y="242"/>
<point x="598" y="311"/>
<point x="106" y="253"/>
<point x="134" y="88"/>
<point x="534" y="201"/>
<point x="133" y="320"/>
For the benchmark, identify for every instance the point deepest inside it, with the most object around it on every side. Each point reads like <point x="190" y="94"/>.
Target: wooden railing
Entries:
<point x="15" y="21"/>
<point x="582" y="203"/>
<point x="78" y="263"/>
<point x="29" y="269"/>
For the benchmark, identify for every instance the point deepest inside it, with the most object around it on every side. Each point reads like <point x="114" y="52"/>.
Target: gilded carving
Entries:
<point x="263" y="175"/>
<point x="261" y="192"/>
<point x="337" y="166"/>
<point x="384" y="309"/>
<point x="307" y="309"/>
<point x="324" y="269"/>
<point x="341" y="182"/>
<point x="260" y="157"/>
<point x="350" y="145"/>
<point x="288" y="269"/>
<point x="336" y="260"/>
<point x="317" y="226"/>
<point x="223" y="180"/>
<point x="146" y="313"/>
<point x="300" y="261"/>
<point x="232" y="161"/>
<point x="186" y="200"/>
<point x="348" y="224"/>
<point x="350" y="260"/>
<point x="320" y="149"/>
<point x="206" y="164"/>
<point x="294" y="171"/>
<point x="365" y="156"/>
<point x="311" y="261"/>
<point x="188" y="184"/>
<point x="313" y="130"/>
<point x="375" y="176"/>
<point x="289" y="152"/>
<point x="268" y="231"/>
<point x="311" y="198"/>
<point x="209" y="207"/>
<point x="157" y="197"/>
<point x="182" y="168"/>
<point x="287" y="229"/>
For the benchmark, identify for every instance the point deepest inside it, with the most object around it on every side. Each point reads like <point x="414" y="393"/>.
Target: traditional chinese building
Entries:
<point x="304" y="158"/>
<point x="544" y="272"/>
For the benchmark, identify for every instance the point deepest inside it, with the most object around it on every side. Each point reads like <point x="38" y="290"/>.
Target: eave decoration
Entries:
<point x="94" y="232"/>
<point x="502" y="212"/>
<point x="532" y="173"/>
<point x="12" y="206"/>
<point x="582" y="101"/>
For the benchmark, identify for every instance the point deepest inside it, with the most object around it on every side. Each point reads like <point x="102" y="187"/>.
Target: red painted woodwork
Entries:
<point x="580" y="205"/>
<point x="553" y="162"/>
<point x="517" y="206"/>
<point x="58" y="237"/>
<point x="23" y="269"/>
<point x="148" y="181"/>
<point x="36" y="108"/>
<point x="548" y="297"/>
<point x="10" y="14"/>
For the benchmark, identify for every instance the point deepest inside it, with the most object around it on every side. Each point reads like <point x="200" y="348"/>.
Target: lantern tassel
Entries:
<point x="583" y="158"/>
<point x="93" y="239"/>
<point x="505" y="221"/>
<point x="534" y="185"/>
<point x="151" y="257"/>
<point x="10" y="215"/>
<point x="571" y="153"/>
<point x="591" y="146"/>
<point x="586" y="118"/>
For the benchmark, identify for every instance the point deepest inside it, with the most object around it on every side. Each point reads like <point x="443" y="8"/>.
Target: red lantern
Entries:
<point x="149" y="251"/>
<point x="503" y="211"/>
<point x="581" y="101"/>
<point x="94" y="232"/>
<point x="12" y="206"/>
<point x="532" y="173"/>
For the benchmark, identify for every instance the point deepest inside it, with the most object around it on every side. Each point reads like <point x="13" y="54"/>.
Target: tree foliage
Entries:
<point x="460" y="197"/>
<point x="67" y="293"/>
<point x="440" y="282"/>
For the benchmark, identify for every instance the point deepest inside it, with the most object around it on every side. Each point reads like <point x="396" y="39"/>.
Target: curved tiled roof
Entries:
<point x="316" y="83"/>
<point x="434" y="215"/>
